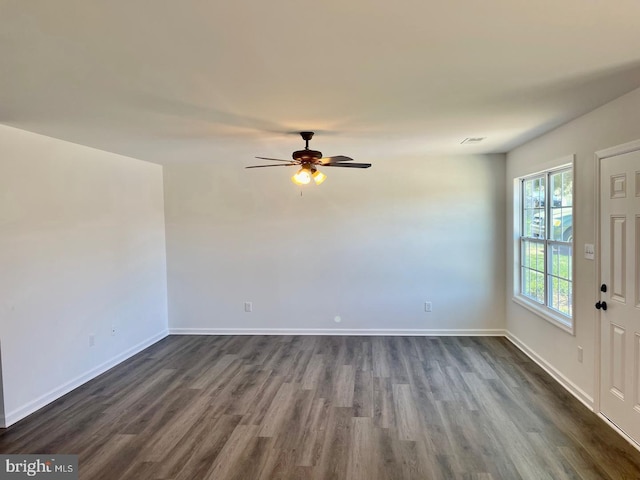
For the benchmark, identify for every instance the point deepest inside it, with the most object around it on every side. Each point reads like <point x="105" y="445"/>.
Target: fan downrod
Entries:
<point x="307" y="155"/>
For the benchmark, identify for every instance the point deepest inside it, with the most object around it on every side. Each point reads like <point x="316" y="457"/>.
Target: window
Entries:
<point x="545" y="262"/>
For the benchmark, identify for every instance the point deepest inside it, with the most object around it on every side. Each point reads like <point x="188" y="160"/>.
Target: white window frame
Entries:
<point x="545" y="312"/>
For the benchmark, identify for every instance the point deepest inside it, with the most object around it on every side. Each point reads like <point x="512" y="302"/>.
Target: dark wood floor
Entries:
<point x="327" y="408"/>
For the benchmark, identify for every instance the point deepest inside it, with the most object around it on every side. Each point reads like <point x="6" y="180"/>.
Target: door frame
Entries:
<point x="601" y="155"/>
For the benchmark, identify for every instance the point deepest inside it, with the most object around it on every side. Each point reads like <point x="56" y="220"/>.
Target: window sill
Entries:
<point x="546" y="313"/>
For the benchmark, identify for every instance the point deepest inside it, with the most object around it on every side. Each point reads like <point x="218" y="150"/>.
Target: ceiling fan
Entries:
<point x="308" y="160"/>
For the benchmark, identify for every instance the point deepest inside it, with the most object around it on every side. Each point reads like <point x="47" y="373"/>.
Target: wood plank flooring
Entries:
<point x="296" y="407"/>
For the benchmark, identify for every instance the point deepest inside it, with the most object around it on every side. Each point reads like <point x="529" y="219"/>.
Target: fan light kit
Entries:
<point x="308" y="160"/>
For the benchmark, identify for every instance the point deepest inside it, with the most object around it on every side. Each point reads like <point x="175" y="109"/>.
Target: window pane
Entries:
<point x="560" y="295"/>
<point x="537" y="223"/>
<point x="533" y="207"/>
<point x="533" y="285"/>
<point x="525" y="254"/>
<point x="560" y="261"/>
<point x="533" y="259"/>
<point x="561" y="225"/>
<point x="533" y="255"/>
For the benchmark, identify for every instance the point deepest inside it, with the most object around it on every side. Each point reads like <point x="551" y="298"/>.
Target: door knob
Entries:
<point x="601" y="305"/>
<point x="603" y="287"/>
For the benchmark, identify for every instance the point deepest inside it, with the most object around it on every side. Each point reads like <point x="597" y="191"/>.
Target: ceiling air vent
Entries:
<point x="472" y="140"/>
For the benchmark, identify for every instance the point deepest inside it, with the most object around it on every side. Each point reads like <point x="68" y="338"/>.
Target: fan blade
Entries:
<point x="276" y="159"/>
<point x="336" y="159"/>
<point x="348" y="165"/>
<point x="276" y="165"/>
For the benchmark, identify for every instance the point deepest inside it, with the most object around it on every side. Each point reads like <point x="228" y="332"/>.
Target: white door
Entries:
<point x="620" y="273"/>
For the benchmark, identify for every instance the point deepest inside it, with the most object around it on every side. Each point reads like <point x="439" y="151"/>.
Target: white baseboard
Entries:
<point x="16" y="415"/>
<point x="12" y="417"/>
<point x="621" y="432"/>
<point x="571" y="387"/>
<point x="418" y="332"/>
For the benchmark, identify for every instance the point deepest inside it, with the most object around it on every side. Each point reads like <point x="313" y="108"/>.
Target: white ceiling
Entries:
<point x="197" y="80"/>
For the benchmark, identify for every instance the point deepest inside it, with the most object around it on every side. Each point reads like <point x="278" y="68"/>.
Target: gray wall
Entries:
<point x="370" y="246"/>
<point x="613" y="124"/>
<point x="82" y="249"/>
<point x="2" y="417"/>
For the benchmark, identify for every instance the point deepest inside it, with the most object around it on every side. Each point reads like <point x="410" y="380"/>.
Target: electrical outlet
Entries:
<point x="248" y="306"/>
<point x="92" y="340"/>
<point x="580" y="354"/>
<point x="427" y="306"/>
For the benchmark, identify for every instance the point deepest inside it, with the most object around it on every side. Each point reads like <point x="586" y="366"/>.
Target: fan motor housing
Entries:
<point x="306" y="155"/>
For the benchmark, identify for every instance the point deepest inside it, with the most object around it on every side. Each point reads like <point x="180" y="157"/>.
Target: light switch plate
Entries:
<point x="589" y="251"/>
